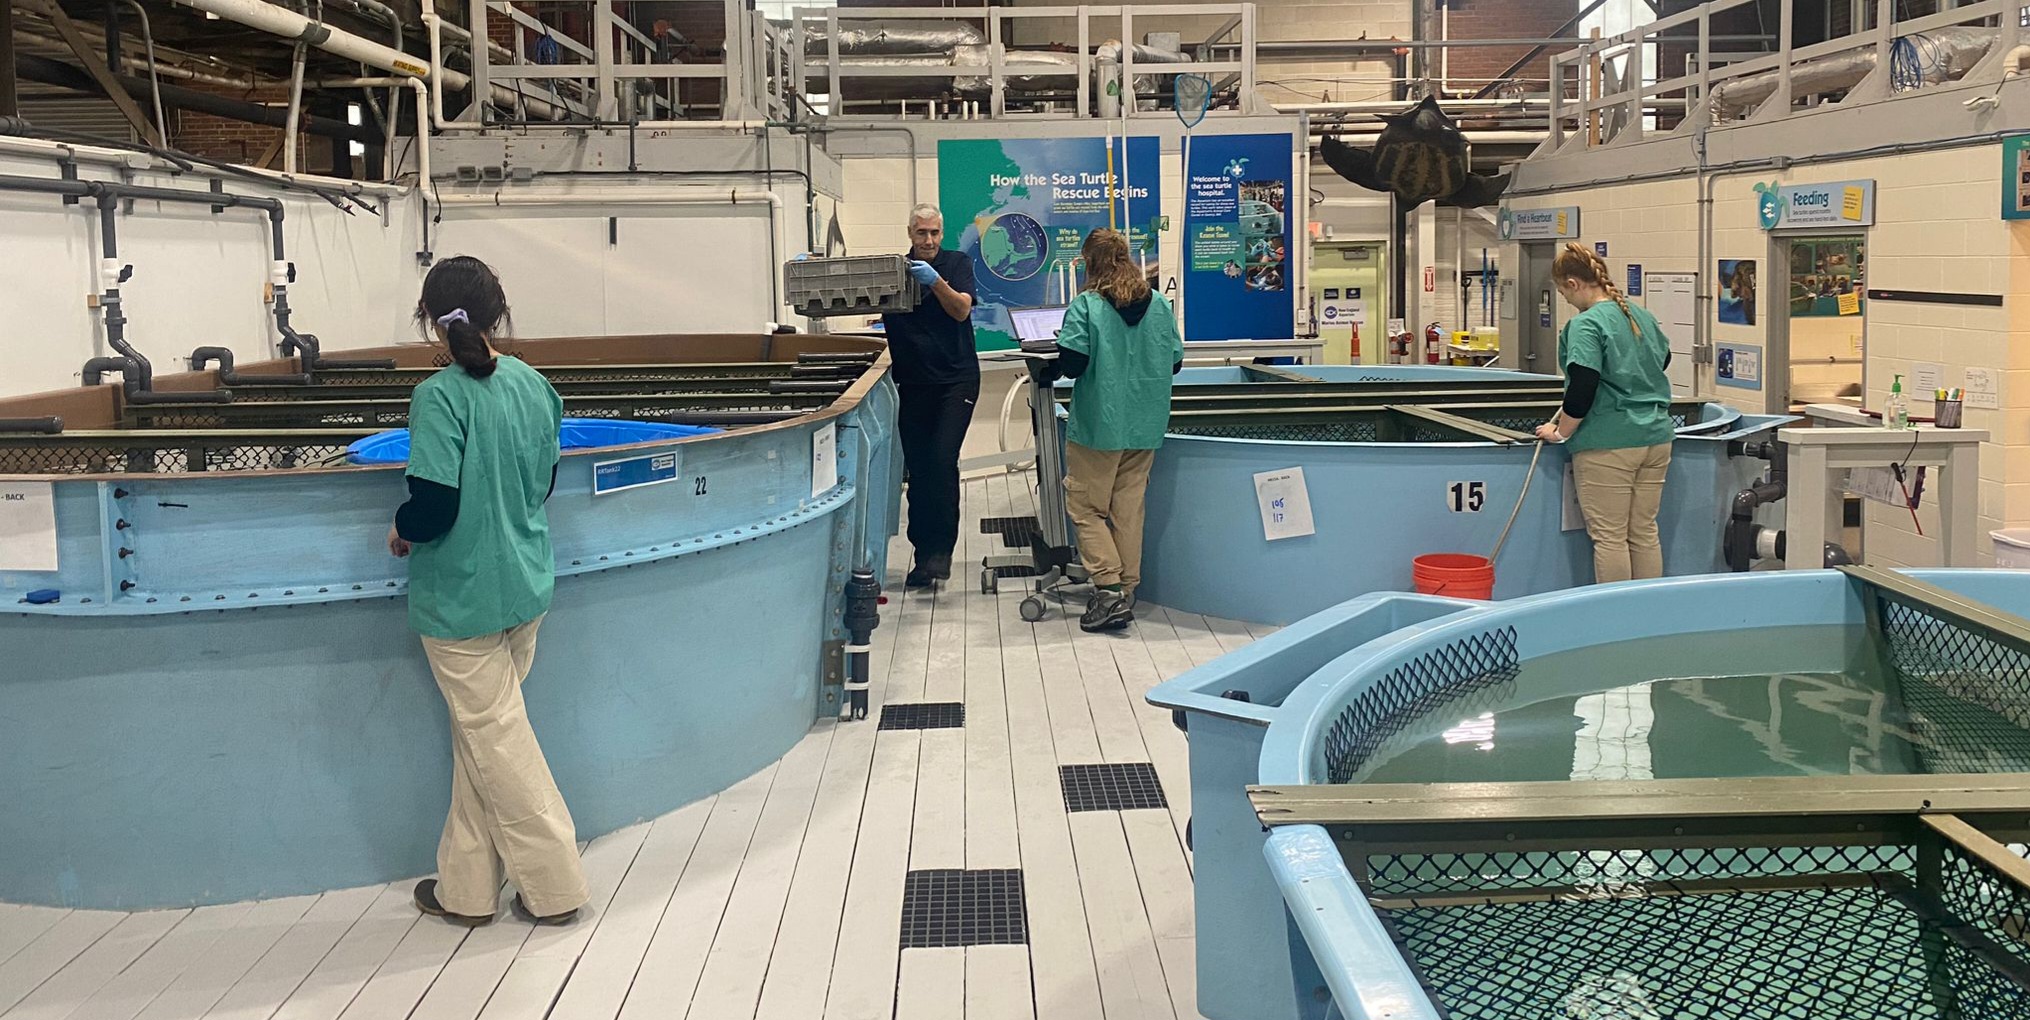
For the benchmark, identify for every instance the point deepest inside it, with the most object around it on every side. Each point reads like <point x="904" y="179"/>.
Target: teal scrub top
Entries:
<point x="1122" y="402"/>
<point x="495" y="441"/>
<point x="1632" y="407"/>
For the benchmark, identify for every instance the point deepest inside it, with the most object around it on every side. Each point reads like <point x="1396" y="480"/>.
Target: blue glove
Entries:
<point x="802" y="256"/>
<point x="923" y="273"/>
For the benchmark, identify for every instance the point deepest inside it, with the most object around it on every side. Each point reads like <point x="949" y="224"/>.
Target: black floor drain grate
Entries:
<point x="924" y="715"/>
<point x="1015" y="532"/>
<point x="948" y="908"/>
<point x="1111" y="787"/>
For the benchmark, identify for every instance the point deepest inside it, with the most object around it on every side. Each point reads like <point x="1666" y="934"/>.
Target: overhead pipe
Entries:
<point x="55" y="72"/>
<point x="295" y="114"/>
<point x="281" y="21"/>
<point x="134" y="63"/>
<point x="165" y="70"/>
<point x="420" y="91"/>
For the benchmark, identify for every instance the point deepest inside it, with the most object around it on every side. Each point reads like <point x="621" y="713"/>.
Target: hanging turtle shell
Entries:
<point x="1419" y="157"/>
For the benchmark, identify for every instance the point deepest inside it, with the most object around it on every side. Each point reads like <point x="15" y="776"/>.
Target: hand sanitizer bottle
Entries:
<point x="1896" y="415"/>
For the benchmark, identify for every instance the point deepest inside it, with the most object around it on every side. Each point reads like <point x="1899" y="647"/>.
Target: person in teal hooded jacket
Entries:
<point x="1120" y="343"/>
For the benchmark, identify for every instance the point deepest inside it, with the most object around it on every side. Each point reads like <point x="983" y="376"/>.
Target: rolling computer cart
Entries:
<point x="1052" y="560"/>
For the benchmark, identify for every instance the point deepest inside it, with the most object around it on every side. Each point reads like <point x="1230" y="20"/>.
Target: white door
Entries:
<point x="1673" y="299"/>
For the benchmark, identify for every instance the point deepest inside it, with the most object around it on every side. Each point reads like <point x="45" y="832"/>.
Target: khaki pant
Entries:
<point x="1619" y="493"/>
<point x="1103" y="492"/>
<point x="505" y="808"/>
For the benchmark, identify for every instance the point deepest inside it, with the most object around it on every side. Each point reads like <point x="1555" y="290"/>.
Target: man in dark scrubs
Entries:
<point x="937" y="370"/>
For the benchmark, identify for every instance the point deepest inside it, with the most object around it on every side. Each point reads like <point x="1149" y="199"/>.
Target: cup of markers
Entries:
<point x="1948" y="403"/>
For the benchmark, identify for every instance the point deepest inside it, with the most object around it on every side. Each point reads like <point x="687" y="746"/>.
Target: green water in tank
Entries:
<point x="1794" y="701"/>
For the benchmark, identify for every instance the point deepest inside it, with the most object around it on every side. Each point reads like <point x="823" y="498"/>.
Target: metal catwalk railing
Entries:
<point x="1607" y="91"/>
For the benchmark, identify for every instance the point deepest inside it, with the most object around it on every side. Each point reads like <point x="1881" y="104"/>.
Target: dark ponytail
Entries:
<point x="464" y="296"/>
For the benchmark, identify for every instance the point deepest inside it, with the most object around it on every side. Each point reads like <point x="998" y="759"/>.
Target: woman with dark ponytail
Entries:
<point x="482" y="462"/>
<point x="1616" y="416"/>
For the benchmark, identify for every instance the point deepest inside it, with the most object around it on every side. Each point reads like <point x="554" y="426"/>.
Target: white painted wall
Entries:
<point x="198" y="278"/>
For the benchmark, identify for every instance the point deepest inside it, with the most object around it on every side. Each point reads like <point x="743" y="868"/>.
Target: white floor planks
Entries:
<point x="98" y="965"/>
<point x="52" y="951"/>
<point x="781" y="897"/>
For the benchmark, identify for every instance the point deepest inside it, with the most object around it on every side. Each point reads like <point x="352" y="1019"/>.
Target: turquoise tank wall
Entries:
<point x="1262" y="960"/>
<point x="248" y="715"/>
<point x="1377" y="506"/>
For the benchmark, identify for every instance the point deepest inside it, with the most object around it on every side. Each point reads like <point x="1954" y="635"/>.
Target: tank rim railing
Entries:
<point x="845" y="404"/>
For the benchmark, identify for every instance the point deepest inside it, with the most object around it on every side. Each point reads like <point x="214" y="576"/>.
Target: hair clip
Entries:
<point x="454" y="315"/>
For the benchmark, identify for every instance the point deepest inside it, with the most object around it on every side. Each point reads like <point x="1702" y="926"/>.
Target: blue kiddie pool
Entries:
<point x="1798" y="794"/>
<point x="392" y="447"/>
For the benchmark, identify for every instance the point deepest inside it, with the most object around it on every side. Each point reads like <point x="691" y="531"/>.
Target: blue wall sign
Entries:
<point x="1634" y="280"/>
<point x="1600" y="248"/>
<point x="610" y="476"/>
<point x="1021" y="208"/>
<point x="1237" y="228"/>
<point x="1836" y="204"/>
<point x="1739" y="366"/>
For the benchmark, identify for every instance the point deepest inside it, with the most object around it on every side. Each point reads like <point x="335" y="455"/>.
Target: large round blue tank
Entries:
<point x="1378" y="505"/>
<point x="1284" y="931"/>
<point x="227" y="702"/>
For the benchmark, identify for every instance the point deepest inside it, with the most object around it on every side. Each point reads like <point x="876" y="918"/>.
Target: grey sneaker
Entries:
<point x="1107" y="610"/>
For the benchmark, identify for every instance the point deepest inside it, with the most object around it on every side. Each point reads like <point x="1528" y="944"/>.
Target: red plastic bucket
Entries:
<point x="1455" y="575"/>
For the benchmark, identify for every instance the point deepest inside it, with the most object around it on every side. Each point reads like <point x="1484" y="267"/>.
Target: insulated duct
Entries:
<point x="892" y="38"/>
<point x="1945" y="55"/>
<point x="1022" y="71"/>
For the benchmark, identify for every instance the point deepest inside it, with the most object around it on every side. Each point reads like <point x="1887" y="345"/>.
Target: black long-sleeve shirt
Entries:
<point x="1582" y="384"/>
<point x="433" y="508"/>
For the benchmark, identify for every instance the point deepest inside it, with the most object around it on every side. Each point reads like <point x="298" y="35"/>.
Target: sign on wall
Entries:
<point x="1021" y="209"/>
<point x="2016" y="178"/>
<point x="1343" y="307"/>
<point x="1739" y="366"/>
<point x="1554" y="224"/>
<point x="27" y="526"/>
<point x="1837" y="204"/>
<point x="1238" y="207"/>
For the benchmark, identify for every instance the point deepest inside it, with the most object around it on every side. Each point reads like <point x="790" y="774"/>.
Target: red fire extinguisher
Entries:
<point x="1354" y="352"/>
<point x="1431" y="344"/>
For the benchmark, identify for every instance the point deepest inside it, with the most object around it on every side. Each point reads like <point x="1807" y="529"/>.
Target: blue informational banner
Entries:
<point x="1238" y="257"/>
<point x="1021" y="209"/>
<point x="1634" y="280"/>
<point x="633" y="472"/>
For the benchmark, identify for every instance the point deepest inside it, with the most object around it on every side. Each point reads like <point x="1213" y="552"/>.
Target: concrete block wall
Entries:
<point x="1937" y="227"/>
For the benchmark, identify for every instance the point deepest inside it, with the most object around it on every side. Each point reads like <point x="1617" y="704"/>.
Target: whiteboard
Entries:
<point x="1674" y="299"/>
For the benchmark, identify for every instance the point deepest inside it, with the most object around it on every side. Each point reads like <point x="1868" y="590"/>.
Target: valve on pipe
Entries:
<point x="863" y="614"/>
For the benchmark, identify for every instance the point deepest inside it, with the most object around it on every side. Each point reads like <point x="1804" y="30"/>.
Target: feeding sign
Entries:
<point x="1466" y="497"/>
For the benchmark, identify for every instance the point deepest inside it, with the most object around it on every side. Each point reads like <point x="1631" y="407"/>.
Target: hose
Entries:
<point x="1513" y="514"/>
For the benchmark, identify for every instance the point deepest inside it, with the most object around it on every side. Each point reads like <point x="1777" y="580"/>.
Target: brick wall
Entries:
<point x="237" y="141"/>
<point x="1472" y="67"/>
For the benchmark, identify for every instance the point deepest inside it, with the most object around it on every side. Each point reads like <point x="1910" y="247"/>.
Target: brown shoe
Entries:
<point x="426" y="901"/>
<point x="522" y="911"/>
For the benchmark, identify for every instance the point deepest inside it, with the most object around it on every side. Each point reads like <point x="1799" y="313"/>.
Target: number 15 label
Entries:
<point x="1466" y="497"/>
